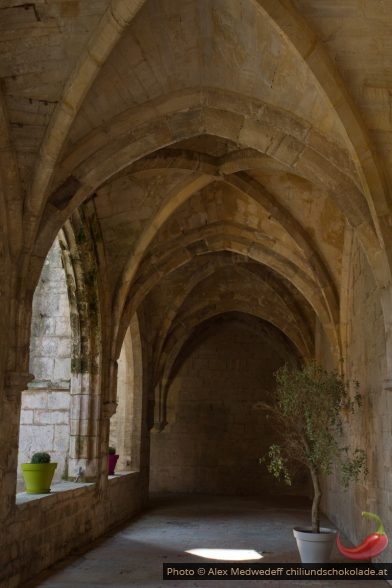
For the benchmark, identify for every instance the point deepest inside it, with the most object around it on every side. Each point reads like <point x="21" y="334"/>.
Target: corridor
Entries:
<point x="175" y="525"/>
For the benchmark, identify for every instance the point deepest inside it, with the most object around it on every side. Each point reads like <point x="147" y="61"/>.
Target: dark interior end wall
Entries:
<point x="215" y="437"/>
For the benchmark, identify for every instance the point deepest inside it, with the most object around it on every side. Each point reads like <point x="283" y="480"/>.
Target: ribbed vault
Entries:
<point x="199" y="160"/>
<point x="186" y="164"/>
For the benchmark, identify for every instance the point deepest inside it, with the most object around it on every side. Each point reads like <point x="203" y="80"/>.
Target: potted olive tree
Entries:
<point x="38" y="474"/>
<point x="308" y="407"/>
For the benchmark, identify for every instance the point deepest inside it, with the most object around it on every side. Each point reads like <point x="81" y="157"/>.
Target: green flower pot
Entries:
<point x="38" y="477"/>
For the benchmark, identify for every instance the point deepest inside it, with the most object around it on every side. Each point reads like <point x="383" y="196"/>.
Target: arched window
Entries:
<point x="45" y="410"/>
<point x="60" y="410"/>
<point x="125" y="424"/>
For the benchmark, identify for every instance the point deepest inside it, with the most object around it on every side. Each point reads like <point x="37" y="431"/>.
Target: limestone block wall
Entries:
<point x="364" y="337"/>
<point x="50" y="343"/>
<point x="45" y="412"/>
<point x="44" y="426"/>
<point x="215" y="438"/>
<point x="46" y="529"/>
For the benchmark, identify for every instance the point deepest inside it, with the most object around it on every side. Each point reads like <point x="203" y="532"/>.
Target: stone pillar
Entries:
<point x="159" y="408"/>
<point x="14" y="384"/>
<point x="84" y="428"/>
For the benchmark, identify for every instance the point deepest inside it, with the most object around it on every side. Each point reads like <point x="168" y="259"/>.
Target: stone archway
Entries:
<point x="80" y="262"/>
<point x="214" y="438"/>
<point x="126" y="422"/>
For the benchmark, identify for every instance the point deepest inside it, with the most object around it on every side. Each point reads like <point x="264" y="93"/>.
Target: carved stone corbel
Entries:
<point x="158" y="426"/>
<point x="108" y="409"/>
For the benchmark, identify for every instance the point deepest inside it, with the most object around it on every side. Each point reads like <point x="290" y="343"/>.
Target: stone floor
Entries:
<point x="133" y="556"/>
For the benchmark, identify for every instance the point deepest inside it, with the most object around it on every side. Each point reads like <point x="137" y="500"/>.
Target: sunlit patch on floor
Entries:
<point x="226" y="554"/>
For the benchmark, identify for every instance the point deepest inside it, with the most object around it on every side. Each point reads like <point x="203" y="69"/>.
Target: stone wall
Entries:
<point x="45" y="412"/>
<point x="44" y="530"/>
<point x="215" y="438"/>
<point x="50" y="343"/>
<point x="44" y="426"/>
<point x="371" y="428"/>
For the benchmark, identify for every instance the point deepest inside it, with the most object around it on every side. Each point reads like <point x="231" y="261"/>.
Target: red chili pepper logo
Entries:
<point x="373" y="545"/>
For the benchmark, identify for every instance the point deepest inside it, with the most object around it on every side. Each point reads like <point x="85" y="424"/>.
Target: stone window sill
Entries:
<point x="66" y="486"/>
<point x="119" y="475"/>
<point x="23" y="497"/>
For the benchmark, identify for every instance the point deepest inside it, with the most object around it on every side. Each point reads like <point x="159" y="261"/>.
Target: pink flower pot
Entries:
<point x="112" y="460"/>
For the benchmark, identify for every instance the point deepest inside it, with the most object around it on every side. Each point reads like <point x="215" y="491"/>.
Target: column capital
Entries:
<point x="109" y="408"/>
<point x="15" y="383"/>
<point x="157" y="426"/>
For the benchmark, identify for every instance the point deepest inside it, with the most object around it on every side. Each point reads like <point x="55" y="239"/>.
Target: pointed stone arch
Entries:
<point x="223" y="239"/>
<point x="80" y="267"/>
<point x="226" y="259"/>
<point x="179" y="341"/>
<point x="207" y="110"/>
<point x="111" y="26"/>
<point x="126" y="422"/>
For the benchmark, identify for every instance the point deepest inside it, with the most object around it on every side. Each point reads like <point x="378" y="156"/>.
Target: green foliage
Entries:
<point x="309" y="406"/>
<point x="353" y="467"/>
<point x="112" y="450"/>
<point x="312" y="402"/>
<point x="40" y="457"/>
<point x="277" y="464"/>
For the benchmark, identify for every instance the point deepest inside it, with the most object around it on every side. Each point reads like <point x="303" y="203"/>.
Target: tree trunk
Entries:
<point x="316" y="501"/>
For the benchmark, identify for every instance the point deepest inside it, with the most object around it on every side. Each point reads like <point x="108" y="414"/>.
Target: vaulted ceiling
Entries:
<point x="228" y="149"/>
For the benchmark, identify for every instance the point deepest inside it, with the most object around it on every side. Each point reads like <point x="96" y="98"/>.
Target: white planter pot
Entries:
<point x="314" y="547"/>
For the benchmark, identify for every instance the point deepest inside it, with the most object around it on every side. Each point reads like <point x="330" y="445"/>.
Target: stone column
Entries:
<point x="84" y="427"/>
<point x="157" y="401"/>
<point x="14" y="384"/>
